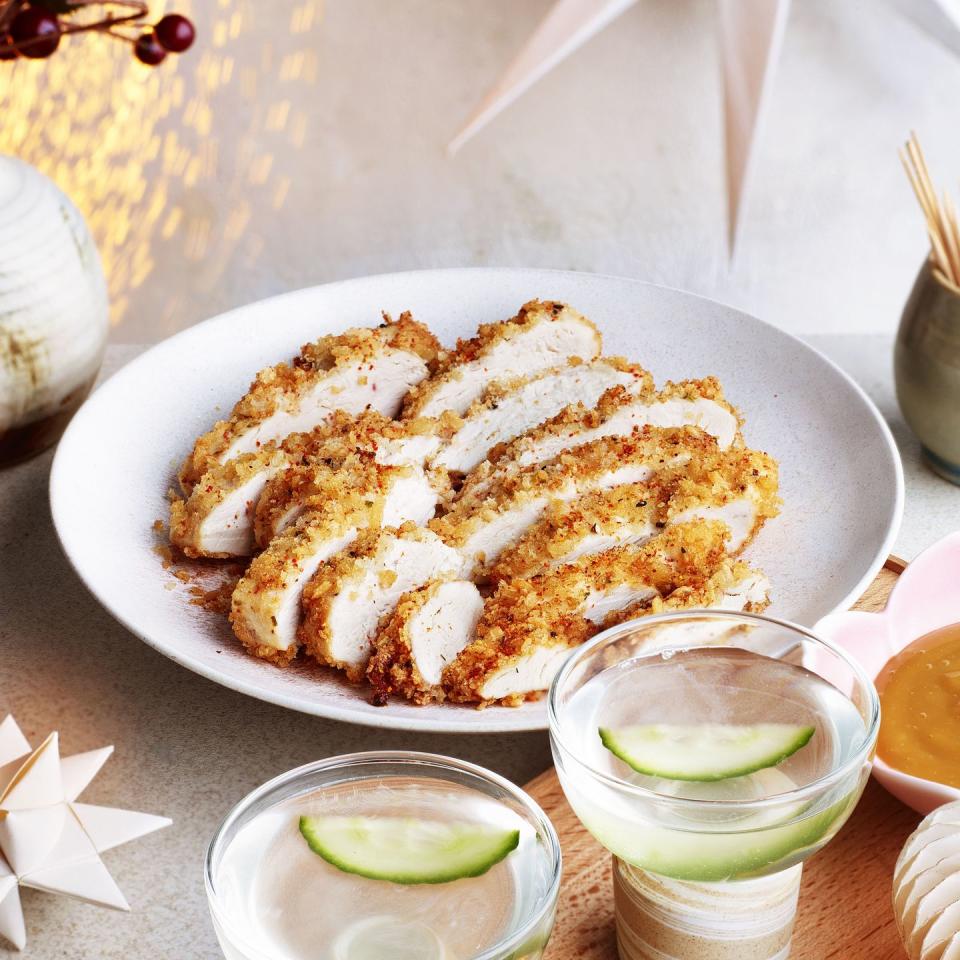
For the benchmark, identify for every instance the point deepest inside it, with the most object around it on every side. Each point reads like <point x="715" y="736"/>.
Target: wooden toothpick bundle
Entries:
<point x="941" y="219"/>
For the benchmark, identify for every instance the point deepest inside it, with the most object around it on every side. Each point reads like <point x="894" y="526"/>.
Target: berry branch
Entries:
<point x="34" y="28"/>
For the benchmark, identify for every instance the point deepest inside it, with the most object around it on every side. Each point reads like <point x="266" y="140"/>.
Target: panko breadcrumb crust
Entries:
<point x="187" y="516"/>
<point x="332" y="442"/>
<point x="712" y="481"/>
<point x="392" y="668"/>
<point x="335" y="577"/>
<point x="307" y="483"/>
<point x="355" y="500"/>
<point x="578" y="420"/>
<point x="341" y="472"/>
<point x="280" y="386"/>
<point x="481" y="414"/>
<point x="566" y="475"/>
<point x="489" y="335"/>
<point x="548" y="611"/>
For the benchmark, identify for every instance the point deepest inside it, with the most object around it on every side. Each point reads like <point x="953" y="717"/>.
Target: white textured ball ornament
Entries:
<point x="926" y="887"/>
<point x="53" y="310"/>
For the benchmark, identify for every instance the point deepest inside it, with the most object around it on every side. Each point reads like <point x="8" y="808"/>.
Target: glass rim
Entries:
<point x="400" y="758"/>
<point x="817" y="786"/>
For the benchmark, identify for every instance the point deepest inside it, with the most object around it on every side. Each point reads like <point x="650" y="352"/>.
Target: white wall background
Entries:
<point x="612" y="163"/>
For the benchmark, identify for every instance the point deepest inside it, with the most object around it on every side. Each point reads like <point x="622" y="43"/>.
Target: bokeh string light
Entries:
<point x="140" y="151"/>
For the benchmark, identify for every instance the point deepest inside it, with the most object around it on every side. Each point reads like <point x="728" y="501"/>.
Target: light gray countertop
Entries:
<point x="188" y="748"/>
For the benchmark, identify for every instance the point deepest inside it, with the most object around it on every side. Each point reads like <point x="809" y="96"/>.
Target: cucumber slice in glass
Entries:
<point x="407" y="850"/>
<point x="394" y="937"/>
<point x="704" y="752"/>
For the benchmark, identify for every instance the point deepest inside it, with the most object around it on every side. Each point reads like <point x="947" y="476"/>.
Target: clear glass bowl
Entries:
<point x="708" y="840"/>
<point x="526" y="938"/>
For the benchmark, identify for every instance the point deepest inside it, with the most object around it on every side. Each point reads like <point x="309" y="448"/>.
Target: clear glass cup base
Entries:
<point x="663" y="919"/>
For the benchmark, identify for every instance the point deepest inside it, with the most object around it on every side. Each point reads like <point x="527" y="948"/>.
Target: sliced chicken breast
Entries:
<point x="483" y="528"/>
<point x="354" y="371"/>
<point x="265" y="609"/>
<point x="738" y="487"/>
<point x="698" y="403"/>
<point x="540" y="336"/>
<point x="218" y="518"/>
<point x="345" y="602"/>
<point x="304" y="487"/>
<point x="511" y="408"/>
<point x="425" y="633"/>
<point x="529" y="625"/>
<point x="530" y="675"/>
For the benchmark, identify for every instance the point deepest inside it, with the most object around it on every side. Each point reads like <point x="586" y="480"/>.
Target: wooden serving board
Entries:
<point x="845" y="910"/>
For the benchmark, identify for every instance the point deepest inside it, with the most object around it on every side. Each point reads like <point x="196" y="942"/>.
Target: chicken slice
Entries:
<point x="698" y="403"/>
<point x="303" y="488"/>
<point x="483" y="528"/>
<point x="265" y="609"/>
<point x="738" y="486"/>
<point x="540" y="336"/>
<point x="345" y="602"/>
<point x="302" y="485"/>
<point x="217" y="519"/>
<point x="529" y="625"/>
<point x="422" y="636"/>
<point x="511" y="408"/>
<point x="356" y="370"/>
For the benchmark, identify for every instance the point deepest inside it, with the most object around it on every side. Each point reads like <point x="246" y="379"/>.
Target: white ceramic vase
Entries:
<point x="53" y="311"/>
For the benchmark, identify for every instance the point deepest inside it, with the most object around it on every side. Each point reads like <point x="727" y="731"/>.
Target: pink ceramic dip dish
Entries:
<point x="925" y="598"/>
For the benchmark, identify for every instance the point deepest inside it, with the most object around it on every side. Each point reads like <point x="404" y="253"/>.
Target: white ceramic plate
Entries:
<point x="841" y="479"/>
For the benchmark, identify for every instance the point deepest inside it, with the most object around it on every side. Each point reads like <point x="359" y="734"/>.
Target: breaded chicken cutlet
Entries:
<point x="509" y="647"/>
<point x="218" y="518"/>
<point x="737" y="486"/>
<point x="354" y="371"/>
<point x="483" y="529"/>
<point x="618" y="412"/>
<point x="543" y="334"/>
<point x="360" y="494"/>
<point x="450" y="524"/>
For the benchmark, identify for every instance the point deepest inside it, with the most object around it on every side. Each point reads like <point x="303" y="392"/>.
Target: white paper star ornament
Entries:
<point x="47" y="840"/>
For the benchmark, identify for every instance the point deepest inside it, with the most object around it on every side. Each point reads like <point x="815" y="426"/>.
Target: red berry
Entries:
<point x="148" y="51"/>
<point x="174" y="33"/>
<point x="36" y="32"/>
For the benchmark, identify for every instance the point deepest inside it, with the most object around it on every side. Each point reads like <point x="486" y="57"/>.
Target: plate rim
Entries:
<point x="532" y="721"/>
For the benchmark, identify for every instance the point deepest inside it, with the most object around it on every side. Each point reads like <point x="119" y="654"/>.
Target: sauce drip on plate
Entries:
<point x="920" y="702"/>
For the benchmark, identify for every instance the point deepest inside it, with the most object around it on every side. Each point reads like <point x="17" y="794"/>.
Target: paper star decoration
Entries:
<point x="750" y="35"/>
<point x="48" y="841"/>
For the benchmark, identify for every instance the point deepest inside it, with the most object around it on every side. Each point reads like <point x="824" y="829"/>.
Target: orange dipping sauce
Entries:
<point x="920" y="702"/>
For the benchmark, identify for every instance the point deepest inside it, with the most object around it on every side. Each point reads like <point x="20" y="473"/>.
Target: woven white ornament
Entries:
<point x="926" y="887"/>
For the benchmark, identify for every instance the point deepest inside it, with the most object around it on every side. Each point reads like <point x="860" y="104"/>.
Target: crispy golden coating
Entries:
<point x="489" y="336"/>
<point x="604" y="518"/>
<point x="355" y="501"/>
<point x="552" y="610"/>
<point x="578" y="424"/>
<point x="335" y="636"/>
<point x="484" y="526"/>
<point x="304" y="483"/>
<point x="393" y="668"/>
<point x="280" y="387"/>
<point x="187" y="517"/>
<point x="331" y="443"/>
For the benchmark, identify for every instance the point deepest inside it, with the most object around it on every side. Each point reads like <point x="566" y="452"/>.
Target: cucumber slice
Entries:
<point x="711" y="857"/>
<point x="394" y="937"/>
<point x="704" y="752"/>
<point x="407" y="850"/>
